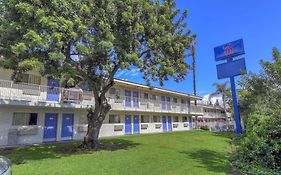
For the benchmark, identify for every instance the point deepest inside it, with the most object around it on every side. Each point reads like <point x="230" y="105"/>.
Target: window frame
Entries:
<point x="26" y="118"/>
<point x="145" y="116"/>
<point x="174" y="117"/>
<point x="114" y="121"/>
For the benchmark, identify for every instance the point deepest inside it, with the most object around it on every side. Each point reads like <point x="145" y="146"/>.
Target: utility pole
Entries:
<point x="194" y="77"/>
<point x="194" y="70"/>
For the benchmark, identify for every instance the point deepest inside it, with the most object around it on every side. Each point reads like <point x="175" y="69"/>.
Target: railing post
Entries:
<point x="10" y="96"/>
<point x="39" y="93"/>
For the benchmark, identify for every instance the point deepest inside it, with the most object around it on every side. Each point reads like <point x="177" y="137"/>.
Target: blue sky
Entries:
<point x="216" y="22"/>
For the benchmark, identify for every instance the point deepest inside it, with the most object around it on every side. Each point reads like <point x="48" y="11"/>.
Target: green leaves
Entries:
<point x="29" y="64"/>
<point x="19" y="48"/>
<point x="260" y="148"/>
<point x="102" y="34"/>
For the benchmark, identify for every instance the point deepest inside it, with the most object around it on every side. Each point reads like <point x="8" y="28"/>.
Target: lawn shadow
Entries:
<point x="210" y="160"/>
<point x="21" y="155"/>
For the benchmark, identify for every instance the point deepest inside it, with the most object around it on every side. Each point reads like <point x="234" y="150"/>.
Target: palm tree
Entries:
<point x="223" y="90"/>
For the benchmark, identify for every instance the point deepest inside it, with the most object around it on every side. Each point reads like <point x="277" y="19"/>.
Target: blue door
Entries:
<point x="136" y="124"/>
<point x="128" y="129"/>
<point x="163" y="103"/>
<point x="190" y="122"/>
<point x="50" y="128"/>
<point x="168" y="99"/>
<point x="127" y="98"/>
<point x="136" y="99"/>
<point x="53" y="90"/>
<point x="67" y="126"/>
<point x="169" y="123"/>
<point x="164" y="123"/>
<point x="188" y="106"/>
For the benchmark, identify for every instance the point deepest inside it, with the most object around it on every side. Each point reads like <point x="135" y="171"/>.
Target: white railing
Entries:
<point x="149" y="105"/>
<point x="10" y="90"/>
<point x="32" y="92"/>
<point x="214" y="115"/>
<point x="206" y="103"/>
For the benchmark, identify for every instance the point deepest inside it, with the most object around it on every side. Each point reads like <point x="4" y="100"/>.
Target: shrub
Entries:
<point x="259" y="150"/>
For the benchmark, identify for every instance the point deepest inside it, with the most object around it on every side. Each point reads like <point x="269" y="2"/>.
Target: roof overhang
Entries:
<point x="128" y="83"/>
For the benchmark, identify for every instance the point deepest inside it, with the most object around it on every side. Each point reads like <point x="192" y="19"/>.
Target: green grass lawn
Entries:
<point x="177" y="153"/>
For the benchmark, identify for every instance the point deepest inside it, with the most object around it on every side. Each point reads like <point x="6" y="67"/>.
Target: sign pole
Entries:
<point x="235" y="106"/>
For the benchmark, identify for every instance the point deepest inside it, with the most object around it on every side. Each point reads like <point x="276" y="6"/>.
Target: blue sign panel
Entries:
<point x="231" y="69"/>
<point x="228" y="50"/>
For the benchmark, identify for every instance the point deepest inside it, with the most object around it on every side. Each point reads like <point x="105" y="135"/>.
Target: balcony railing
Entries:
<point x="32" y="92"/>
<point x="120" y="102"/>
<point x="10" y="90"/>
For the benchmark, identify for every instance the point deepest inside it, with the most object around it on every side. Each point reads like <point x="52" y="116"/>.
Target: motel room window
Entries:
<point x="145" y="119"/>
<point x="184" y="119"/>
<point x="153" y="97"/>
<point x="176" y="119"/>
<point x="32" y="79"/>
<point x="175" y="100"/>
<point x="24" y="119"/>
<point x="156" y="119"/>
<point x="83" y="119"/>
<point x="114" y="119"/>
<point x="145" y="96"/>
<point x="112" y="91"/>
<point x="115" y="92"/>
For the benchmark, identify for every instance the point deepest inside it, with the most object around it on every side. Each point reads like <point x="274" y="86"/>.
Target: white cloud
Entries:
<point x="134" y="72"/>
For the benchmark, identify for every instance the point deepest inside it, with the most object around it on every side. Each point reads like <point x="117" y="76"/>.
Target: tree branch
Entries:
<point x="144" y="53"/>
<point x="110" y="80"/>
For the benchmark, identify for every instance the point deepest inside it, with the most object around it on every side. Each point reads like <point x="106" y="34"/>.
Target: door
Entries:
<point x="164" y="123"/>
<point x="53" y="90"/>
<point x="188" y="106"/>
<point x="169" y="123"/>
<point x="168" y="99"/>
<point x="67" y="126"/>
<point x="136" y="99"/>
<point x="128" y="129"/>
<point x="136" y="124"/>
<point x="127" y="98"/>
<point x="190" y="123"/>
<point x="163" y="103"/>
<point x="50" y="127"/>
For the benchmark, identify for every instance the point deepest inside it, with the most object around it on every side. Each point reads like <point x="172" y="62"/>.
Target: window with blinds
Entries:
<point x="31" y="79"/>
<point x="24" y="119"/>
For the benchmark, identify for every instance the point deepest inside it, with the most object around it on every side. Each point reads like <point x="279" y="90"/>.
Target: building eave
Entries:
<point x="118" y="81"/>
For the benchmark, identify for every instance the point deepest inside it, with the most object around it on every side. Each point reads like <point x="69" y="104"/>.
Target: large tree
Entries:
<point x="90" y="40"/>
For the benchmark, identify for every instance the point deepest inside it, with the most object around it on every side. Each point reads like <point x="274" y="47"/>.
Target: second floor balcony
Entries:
<point x="39" y="95"/>
<point x="129" y="103"/>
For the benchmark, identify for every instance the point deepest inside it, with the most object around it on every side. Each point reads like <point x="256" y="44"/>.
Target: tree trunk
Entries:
<point x="194" y="77"/>
<point x="95" y="118"/>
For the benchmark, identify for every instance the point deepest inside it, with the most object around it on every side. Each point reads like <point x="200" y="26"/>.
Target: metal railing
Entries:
<point x="206" y="103"/>
<point x="10" y="90"/>
<point x="121" y="102"/>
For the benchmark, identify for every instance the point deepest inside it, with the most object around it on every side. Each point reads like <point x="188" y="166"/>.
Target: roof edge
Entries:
<point x="158" y="89"/>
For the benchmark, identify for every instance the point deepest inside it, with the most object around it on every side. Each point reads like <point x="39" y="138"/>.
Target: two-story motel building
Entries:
<point x="37" y="110"/>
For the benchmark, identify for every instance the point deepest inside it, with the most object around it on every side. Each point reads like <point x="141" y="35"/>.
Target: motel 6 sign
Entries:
<point x="231" y="68"/>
